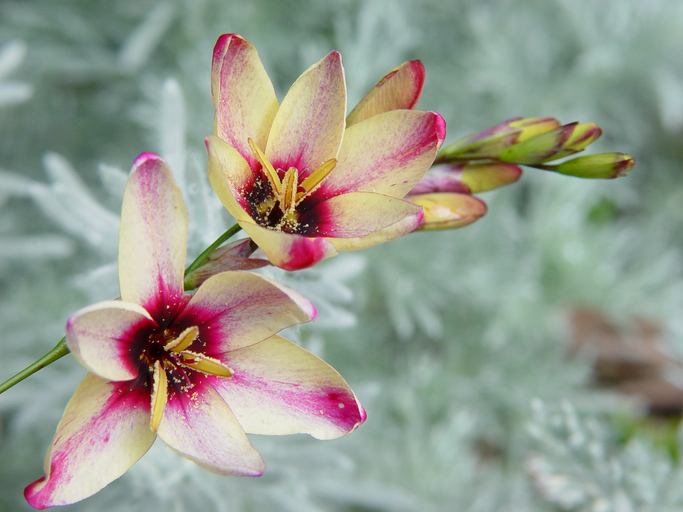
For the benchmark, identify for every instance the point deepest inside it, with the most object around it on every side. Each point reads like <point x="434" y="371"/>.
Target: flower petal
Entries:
<point x="237" y="309"/>
<point x="287" y="251"/>
<point x="104" y="431"/>
<point x="404" y="226"/>
<point x="243" y="95"/>
<point x="387" y="154"/>
<point x="230" y="176"/>
<point x="103" y="338"/>
<point x="399" y="89"/>
<point x="200" y="426"/>
<point x="357" y="214"/>
<point x="448" y="210"/>
<point x="279" y="388"/>
<point x="309" y="125"/>
<point x="152" y="237"/>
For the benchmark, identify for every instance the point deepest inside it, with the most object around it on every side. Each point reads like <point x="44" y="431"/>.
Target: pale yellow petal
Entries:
<point x="243" y="94"/>
<point x="398" y="89"/>
<point x="309" y="125"/>
<point x="152" y="237"/>
<point x="104" y="431"/>
<point x="279" y="388"/>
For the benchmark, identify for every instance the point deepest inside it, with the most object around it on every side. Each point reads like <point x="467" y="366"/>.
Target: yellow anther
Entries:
<point x="205" y="364"/>
<point x="159" y="395"/>
<point x="289" y="185"/>
<point x="316" y="178"/>
<point x="271" y="173"/>
<point x="184" y="340"/>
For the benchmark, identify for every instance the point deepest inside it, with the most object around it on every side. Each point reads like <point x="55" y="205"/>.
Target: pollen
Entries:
<point x="277" y="209"/>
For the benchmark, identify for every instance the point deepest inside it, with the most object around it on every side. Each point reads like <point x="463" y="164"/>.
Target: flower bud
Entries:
<point x="467" y="178"/>
<point x="440" y="181"/>
<point x="480" y="177"/>
<point x="448" y="210"/>
<point x="557" y="143"/>
<point x="489" y="143"/>
<point x="238" y="255"/>
<point x="600" y="166"/>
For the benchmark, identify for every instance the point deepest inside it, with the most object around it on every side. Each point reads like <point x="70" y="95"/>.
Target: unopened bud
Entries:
<point x="467" y="178"/>
<point x="443" y="210"/>
<point x="600" y="166"/>
<point x="480" y="177"/>
<point x="440" y="181"/>
<point x="239" y="255"/>
<point x="557" y="143"/>
<point x="489" y="143"/>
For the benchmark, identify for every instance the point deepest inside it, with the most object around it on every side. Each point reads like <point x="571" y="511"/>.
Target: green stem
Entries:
<point x="58" y="352"/>
<point x="204" y="256"/>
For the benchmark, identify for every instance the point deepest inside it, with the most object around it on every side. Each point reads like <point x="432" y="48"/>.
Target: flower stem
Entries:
<point x="59" y="351"/>
<point x="204" y="256"/>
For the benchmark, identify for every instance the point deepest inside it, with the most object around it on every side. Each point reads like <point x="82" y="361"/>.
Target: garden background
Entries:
<point x="525" y="363"/>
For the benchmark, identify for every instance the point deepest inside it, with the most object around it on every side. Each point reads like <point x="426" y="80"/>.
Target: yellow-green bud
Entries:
<point x="557" y="143"/>
<point x="600" y="166"/>
<point x="488" y="144"/>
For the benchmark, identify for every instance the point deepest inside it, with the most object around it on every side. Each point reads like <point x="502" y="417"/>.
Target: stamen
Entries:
<point x="271" y="173"/>
<point x="289" y="186"/>
<point x="159" y="395"/>
<point x="184" y="340"/>
<point x="316" y="178"/>
<point x="205" y="364"/>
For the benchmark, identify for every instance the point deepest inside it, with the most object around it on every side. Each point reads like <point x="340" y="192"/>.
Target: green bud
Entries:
<point x="557" y="143"/>
<point x="480" y="177"/>
<point x="600" y="166"/>
<point x="488" y="144"/>
<point x="581" y="137"/>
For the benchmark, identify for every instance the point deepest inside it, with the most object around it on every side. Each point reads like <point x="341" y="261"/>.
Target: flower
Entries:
<point x="301" y="181"/>
<point x="196" y="370"/>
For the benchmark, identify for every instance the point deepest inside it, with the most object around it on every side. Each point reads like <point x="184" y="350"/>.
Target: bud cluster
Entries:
<point x="490" y="158"/>
<point x="534" y="141"/>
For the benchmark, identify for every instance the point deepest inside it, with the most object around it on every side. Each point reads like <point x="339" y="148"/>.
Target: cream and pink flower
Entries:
<point x="302" y="180"/>
<point x="198" y="370"/>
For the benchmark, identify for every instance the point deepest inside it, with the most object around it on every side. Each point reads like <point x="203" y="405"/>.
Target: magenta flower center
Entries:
<point x="167" y="359"/>
<point x="275" y="201"/>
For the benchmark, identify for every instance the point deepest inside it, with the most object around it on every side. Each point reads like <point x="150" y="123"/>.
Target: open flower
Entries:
<point x="196" y="370"/>
<point x="301" y="182"/>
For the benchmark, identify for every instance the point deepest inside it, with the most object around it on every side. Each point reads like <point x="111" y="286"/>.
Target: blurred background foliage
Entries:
<point x="528" y="362"/>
